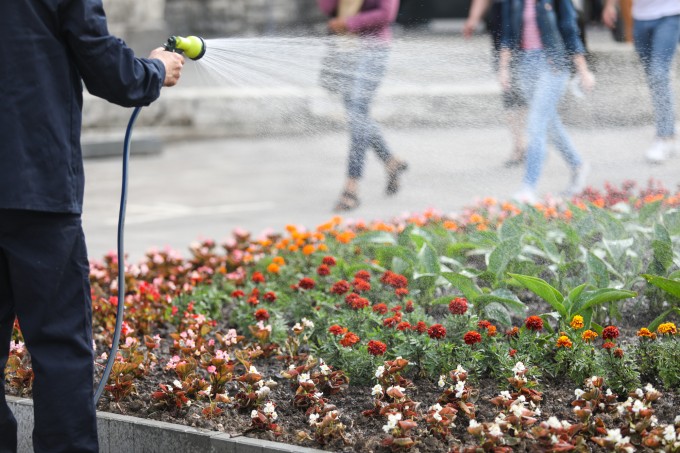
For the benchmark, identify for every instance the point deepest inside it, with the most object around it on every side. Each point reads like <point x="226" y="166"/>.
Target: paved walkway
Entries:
<point x="205" y="189"/>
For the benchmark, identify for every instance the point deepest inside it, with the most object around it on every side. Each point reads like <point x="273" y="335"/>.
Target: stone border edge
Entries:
<point x="123" y="433"/>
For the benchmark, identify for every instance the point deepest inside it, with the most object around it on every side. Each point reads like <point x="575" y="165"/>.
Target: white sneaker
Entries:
<point x="525" y="195"/>
<point x="579" y="175"/>
<point x="660" y="151"/>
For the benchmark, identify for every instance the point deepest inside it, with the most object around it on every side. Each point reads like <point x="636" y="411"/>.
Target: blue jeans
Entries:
<point x="370" y="64"/>
<point x="543" y="86"/>
<point x="655" y="43"/>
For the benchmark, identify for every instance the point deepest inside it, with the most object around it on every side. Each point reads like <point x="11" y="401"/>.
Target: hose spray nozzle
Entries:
<point x="191" y="46"/>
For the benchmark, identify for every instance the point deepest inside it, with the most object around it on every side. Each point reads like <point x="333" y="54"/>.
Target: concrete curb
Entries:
<point x="124" y="434"/>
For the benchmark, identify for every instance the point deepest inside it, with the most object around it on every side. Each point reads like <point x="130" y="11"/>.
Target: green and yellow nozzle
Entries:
<point x="191" y="46"/>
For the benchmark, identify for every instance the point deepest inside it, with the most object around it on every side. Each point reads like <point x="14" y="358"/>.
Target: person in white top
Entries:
<point x="656" y="31"/>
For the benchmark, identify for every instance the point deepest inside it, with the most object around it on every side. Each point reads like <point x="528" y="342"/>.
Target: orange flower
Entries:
<point x="645" y="332"/>
<point x="349" y="340"/>
<point x="273" y="268"/>
<point x="564" y="342"/>
<point x="308" y="249"/>
<point x="589" y="336"/>
<point x="322" y="248"/>
<point x="279" y="260"/>
<point x="450" y="225"/>
<point x="577" y="322"/>
<point x="345" y="237"/>
<point x="667" y="328"/>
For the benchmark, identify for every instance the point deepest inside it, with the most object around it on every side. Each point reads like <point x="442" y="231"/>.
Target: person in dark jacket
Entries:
<point x="542" y="36"/>
<point x="49" y="48"/>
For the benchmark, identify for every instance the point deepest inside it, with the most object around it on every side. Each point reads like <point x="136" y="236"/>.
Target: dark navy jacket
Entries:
<point x="557" y="23"/>
<point x="46" y="48"/>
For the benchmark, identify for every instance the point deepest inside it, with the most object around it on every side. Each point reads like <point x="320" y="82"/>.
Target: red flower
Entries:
<point x="356" y="302"/>
<point x="404" y="325"/>
<point x="340" y="287"/>
<point x="618" y="353"/>
<point x="349" y="340"/>
<point x="472" y="337"/>
<point x="436" y="331"/>
<point x="237" y="293"/>
<point x="380" y="308"/>
<point x="337" y="330"/>
<point x="306" y="283"/>
<point x="257" y="277"/>
<point x="261" y="314"/>
<point x="323" y="270"/>
<point x="458" y="306"/>
<point x="534" y="323"/>
<point x="420" y="327"/>
<point x="394" y="280"/>
<point x="608" y="345"/>
<point x="362" y="275"/>
<point x="483" y="324"/>
<point x="409" y="306"/>
<point x="361" y="285"/>
<point x="392" y="320"/>
<point x="512" y="352"/>
<point x="610" y="333"/>
<point x="401" y="292"/>
<point x="328" y="261"/>
<point x="376" y="347"/>
<point x="269" y="296"/>
<point x="512" y="332"/>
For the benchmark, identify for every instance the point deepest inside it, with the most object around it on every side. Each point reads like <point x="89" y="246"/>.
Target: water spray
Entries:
<point x="194" y="48"/>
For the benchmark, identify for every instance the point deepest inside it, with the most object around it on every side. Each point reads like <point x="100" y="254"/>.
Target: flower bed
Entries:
<point x="545" y="328"/>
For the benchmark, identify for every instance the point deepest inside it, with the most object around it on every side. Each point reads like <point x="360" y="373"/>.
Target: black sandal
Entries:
<point x="348" y="201"/>
<point x="393" y="178"/>
<point x="517" y="158"/>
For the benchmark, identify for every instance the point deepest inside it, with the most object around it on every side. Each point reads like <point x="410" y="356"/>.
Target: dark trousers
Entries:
<point x="44" y="282"/>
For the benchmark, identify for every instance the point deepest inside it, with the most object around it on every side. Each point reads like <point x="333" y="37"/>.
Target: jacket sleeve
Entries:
<point x="328" y="7"/>
<point x="377" y="18"/>
<point x="568" y="25"/>
<point x="108" y="67"/>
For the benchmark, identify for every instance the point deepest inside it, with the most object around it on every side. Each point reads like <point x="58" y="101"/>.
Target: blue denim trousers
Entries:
<point x="543" y="86"/>
<point x="656" y="42"/>
<point x="370" y="64"/>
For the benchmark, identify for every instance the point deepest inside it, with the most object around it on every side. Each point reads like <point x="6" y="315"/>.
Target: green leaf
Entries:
<point x="671" y="220"/>
<point x="600" y="296"/>
<point x="663" y="248"/>
<point x="649" y="211"/>
<point x="571" y="301"/>
<point x="428" y="261"/>
<point x="465" y="284"/>
<point x="659" y="319"/>
<point x="512" y="227"/>
<point x="542" y="289"/>
<point x="499" y="313"/>
<point x="597" y="271"/>
<point x="670" y="286"/>
<point x="501" y="296"/>
<point x="503" y="254"/>
<point x="376" y="237"/>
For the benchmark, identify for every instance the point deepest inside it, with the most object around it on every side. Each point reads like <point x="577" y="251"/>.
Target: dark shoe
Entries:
<point x="348" y="201"/>
<point x="393" y="178"/>
<point x="518" y="157"/>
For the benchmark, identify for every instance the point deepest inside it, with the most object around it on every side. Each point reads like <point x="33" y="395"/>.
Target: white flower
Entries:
<point x="495" y="430"/>
<point x="473" y="423"/>
<point x="639" y="393"/>
<point x="263" y="392"/>
<point x="437" y="417"/>
<point x="392" y="420"/>
<point x="177" y="384"/>
<point x="313" y="419"/>
<point x="297" y="326"/>
<point x="519" y="368"/>
<point x="325" y="369"/>
<point x="460" y="369"/>
<point x="304" y="378"/>
<point x="377" y="390"/>
<point x="441" y="382"/>
<point x="396" y="387"/>
<point x="460" y="388"/>
<point x="554" y="423"/>
<point x="436" y="407"/>
<point x="608" y="392"/>
<point x="517" y="409"/>
<point x="579" y="393"/>
<point x="379" y="372"/>
<point x="307" y="323"/>
<point x="554" y="439"/>
<point x="270" y="410"/>
<point x="649" y="388"/>
<point x="669" y="434"/>
<point x="253" y="370"/>
<point x="253" y="414"/>
<point x="506" y="395"/>
<point x="537" y="411"/>
<point x="638" y="406"/>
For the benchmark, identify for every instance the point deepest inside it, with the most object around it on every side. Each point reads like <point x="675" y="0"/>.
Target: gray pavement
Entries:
<point x="206" y="189"/>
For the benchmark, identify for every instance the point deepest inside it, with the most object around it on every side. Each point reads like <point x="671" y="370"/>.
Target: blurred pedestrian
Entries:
<point x="47" y="48"/>
<point x="542" y="37"/>
<point x="656" y="31"/>
<point x="355" y="70"/>
<point x="514" y="105"/>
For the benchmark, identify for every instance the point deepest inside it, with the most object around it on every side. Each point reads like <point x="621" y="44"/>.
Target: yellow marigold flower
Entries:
<point x="308" y="249"/>
<point x="476" y="218"/>
<point x="345" y="237"/>
<point x="293" y="248"/>
<point x="589" y="335"/>
<point x="279" y="260"/>
<point x="564" y="342"/>
<point x="322" y="248"/>
<point x="576" y="322"/>
<point x="645" y="332"/>
<point x="667" y="328"/>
